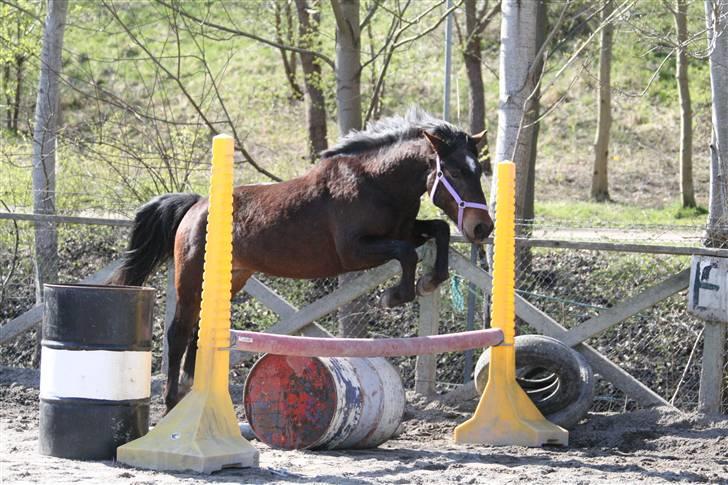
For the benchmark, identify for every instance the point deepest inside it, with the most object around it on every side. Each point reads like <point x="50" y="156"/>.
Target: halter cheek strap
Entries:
<point x="462" y="204"/>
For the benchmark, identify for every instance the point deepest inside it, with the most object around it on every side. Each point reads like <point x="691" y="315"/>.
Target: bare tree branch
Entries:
<point x="248" y="35"/>
<point x="238" y="143"/>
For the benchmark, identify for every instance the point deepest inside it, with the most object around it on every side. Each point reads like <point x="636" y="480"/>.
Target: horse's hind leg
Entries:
<point x="179" y="335"/>
<point x="239" y="278"/>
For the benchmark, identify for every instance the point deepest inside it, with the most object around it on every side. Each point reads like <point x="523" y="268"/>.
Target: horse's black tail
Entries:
<point x="152" y="237"/>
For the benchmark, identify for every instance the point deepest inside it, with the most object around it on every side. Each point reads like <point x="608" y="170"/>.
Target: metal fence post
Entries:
<point x="426" y="365"/>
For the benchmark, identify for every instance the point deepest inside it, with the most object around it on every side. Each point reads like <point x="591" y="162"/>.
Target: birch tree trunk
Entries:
<point x="309" y="19"/>
<point x="687" y="192"/>
<point x="716" y="14"/>
<point x="348" y="65"/>
<point x="44" y="151"/>
<point x="348" y="110"/>
<point x="522" y="27"/>
<point x="600" y="177"/>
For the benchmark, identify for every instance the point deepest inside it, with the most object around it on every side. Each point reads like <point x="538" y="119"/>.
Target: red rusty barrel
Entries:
<point x="323" y="402"/>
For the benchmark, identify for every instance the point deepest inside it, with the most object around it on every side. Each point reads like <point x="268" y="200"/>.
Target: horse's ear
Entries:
<point x="437" y="143"/>
<point x="480" y="139"/>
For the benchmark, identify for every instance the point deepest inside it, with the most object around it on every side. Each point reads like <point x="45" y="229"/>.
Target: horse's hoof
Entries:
<point x="427" y="284"/>
<point x="169" y="404"/>
<point x="391" y="298"/>
<point x="388" y="300"/>
<point x="185" y="383"/>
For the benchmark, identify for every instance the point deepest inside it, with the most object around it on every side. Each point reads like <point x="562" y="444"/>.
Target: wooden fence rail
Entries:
<point x="293" y="320"/>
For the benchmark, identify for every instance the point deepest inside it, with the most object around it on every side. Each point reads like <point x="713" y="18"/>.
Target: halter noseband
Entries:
<point x="462" y="205"/>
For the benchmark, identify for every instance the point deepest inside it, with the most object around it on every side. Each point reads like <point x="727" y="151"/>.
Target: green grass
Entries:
<point x="644" y="136"/>
<point x="592" y="213"/>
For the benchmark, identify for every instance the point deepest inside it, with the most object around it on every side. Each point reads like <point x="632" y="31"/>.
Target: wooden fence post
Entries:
<point x="711" y="372"/>
<point x="426" y="365"/>
<point x="708" y="300"/>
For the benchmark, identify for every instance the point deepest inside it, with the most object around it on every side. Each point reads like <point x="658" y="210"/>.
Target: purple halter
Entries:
<point x="440" y="177"/>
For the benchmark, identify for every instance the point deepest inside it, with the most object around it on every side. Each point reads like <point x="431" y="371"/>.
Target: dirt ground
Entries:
<point x="651" y="446"/>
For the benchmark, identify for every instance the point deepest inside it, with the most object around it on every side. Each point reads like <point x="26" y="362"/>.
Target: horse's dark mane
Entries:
<point x="395" y="129"/>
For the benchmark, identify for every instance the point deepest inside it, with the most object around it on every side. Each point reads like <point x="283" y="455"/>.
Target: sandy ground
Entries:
<point x="652" y="446"/>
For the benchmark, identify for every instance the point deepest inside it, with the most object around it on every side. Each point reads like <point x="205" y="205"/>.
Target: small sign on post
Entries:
<point x="708" y="292"/>
<point x="708" y="300"/>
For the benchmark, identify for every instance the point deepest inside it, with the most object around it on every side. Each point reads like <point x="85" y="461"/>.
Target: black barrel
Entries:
<point x="96" y="365"/>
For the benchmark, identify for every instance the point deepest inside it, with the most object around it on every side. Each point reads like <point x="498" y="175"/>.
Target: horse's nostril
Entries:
<point x="480" y="231"/>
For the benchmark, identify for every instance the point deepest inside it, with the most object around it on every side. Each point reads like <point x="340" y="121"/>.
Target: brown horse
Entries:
<point x="354" y="210"/>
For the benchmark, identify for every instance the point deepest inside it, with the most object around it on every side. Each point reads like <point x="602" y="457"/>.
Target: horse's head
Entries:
<point x="454" y="182"/>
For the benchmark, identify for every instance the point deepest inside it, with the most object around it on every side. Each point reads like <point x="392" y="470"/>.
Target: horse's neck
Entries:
<point x="405" y="168"/>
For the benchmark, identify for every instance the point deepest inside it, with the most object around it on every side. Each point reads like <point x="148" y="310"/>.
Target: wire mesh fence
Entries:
<point x="661" y="346"/>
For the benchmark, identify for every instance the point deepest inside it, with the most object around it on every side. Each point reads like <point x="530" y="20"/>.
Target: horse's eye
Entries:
<point x="455" y="174"/>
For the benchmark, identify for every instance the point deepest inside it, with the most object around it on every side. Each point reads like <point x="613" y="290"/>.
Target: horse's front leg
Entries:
<point x="369" y="252"/>
<point x="440" y="231"/>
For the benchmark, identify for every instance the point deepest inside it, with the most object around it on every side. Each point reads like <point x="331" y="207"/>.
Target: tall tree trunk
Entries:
<point x="348" y="65"/>
<point x="522" y="27"/>
<point x="472" y="52"/>
<point x="309" y="19"/>
<point x="716" y="13"/>
<point x="534" y="110"/>
<point x="44" y="150"/>
<point x="687" y="192"/>
<point x="600" y="177"/>
<point x="17" y="103"/>
<point x="8" y="98"/>
<point x="348" y="109"/>
<point x="280" y="8"/>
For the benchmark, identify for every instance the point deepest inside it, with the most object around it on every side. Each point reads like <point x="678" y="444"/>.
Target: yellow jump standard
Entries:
<point x="201" y="433"/>
<point x="505" y="414"/>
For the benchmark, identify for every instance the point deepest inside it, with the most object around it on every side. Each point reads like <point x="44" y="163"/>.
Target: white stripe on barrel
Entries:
<point x="95" y="374"/>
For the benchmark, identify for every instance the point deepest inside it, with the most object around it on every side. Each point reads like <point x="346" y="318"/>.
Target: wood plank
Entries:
<point x="607" y="246"/>
<point x="315" y="330"/>
<point x="303" y="320"/>
<point x="429" y="319"/>
<point x="627" y="308"/>
<point x="279" y="305"/>
<point x="340" y="296"/>
<point x="96" y="221"/>
<point x="464" y="392"/>
<point x="25" y="322"/>
<point x="711" y="373"/>
<point x="269" y="298"/>
<point x="548" y="326"/>
<point x="21" y="324"/>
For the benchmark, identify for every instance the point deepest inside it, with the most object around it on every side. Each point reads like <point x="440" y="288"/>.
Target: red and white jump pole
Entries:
<point x="362" y="347"/>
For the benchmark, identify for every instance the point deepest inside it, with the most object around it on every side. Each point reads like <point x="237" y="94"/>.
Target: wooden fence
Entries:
<point x="293" y="320"/>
